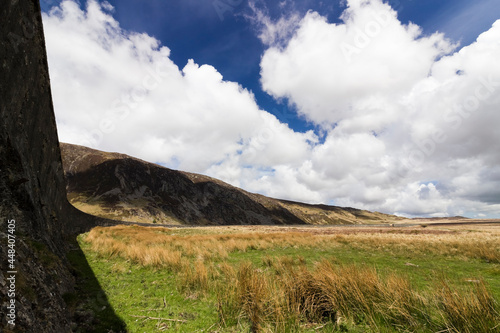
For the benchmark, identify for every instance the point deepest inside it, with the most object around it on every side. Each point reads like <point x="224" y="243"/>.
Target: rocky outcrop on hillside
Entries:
<point x="124" y="188"/>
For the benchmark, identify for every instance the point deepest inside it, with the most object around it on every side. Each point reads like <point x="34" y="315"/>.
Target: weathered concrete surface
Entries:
<point x="32" y="185"/>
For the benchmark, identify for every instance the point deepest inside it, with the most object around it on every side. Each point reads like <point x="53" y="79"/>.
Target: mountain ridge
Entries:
<point x="121" y="187"/>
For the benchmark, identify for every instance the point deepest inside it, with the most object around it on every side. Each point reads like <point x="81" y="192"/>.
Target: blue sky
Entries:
<point x="286" y="99"/>
<point x="217" y="32"/>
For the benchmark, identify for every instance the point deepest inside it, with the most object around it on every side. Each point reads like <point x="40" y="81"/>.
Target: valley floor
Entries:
<point x="423" y="278"/>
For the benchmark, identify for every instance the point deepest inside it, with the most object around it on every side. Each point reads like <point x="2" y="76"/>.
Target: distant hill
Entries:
<point x="121" y="187"/>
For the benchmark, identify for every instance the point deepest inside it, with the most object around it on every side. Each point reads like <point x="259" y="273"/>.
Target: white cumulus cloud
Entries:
<point x="119" y="90"/>
<point x="335" y="71"/>
<point x="411" y="118"/>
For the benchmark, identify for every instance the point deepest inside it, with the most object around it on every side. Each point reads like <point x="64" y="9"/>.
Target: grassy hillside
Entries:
<point x="280" y="279"/>
<point x="121" y="187"/>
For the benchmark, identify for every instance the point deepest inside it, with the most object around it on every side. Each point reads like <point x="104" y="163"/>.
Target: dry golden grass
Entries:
<point x="252" y="290"/>
<point x="159" y="248"/>
<point x="285" y="301"/>
<point x="477" y="245"/>
<point x="287" y="293"/>
<point x="195" y="277"/>
<point x="469" y="312"/>
<point x="164" y="248"/>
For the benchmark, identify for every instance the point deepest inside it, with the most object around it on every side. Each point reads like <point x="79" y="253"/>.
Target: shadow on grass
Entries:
<point x="89" y="303"/>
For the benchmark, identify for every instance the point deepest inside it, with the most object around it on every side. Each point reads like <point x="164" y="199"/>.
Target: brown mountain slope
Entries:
<point x="124" y="188"/>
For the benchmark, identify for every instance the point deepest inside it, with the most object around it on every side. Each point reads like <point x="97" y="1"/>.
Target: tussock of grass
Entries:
<point x="470" y="311"/>
<point x="327" y="293"/>
<point x="252" y="291"/>
<point x="199" y="276"/>
<point x="331" y="293"/>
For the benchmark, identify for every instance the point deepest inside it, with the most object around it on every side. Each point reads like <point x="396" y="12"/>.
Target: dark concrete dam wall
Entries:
<point x="31" y="163"/>
<point x="36" y="219"/>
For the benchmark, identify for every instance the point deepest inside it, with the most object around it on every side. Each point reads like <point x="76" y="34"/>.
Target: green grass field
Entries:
<point x="258" y="279"/>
